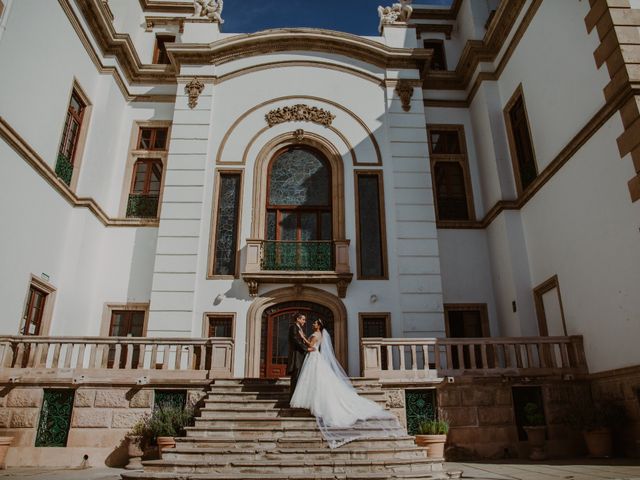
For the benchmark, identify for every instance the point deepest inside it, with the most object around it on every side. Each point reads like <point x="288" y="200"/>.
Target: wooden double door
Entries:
<point x="276" y="320"/>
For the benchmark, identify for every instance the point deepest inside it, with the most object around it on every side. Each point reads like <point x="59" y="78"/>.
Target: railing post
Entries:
<point x="253" y="256"/>
<point x="342" y="256"/>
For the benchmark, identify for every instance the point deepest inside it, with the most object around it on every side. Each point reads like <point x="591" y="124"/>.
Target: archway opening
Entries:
<point x="274" y="348"/>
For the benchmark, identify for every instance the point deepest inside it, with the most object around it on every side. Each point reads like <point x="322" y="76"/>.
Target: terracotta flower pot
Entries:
<point x="5" y="443"/>
<point x="134" y="449"/>
<point x="433" y="443"/>
<point x="599" y="442"/>
<point x="537" y="437"/>
<point x="164" y="443"/>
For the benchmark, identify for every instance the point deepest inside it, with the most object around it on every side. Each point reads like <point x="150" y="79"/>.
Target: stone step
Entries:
<point x="293" y="442"/>
<point x="246" y="396"/>
<point x="305" y="422"/>
<point x="356" y="381"/>
<point x="309" y="465"/>
<point x="231" y="454"/>
<point x="250" y="411"/>
<point x="278" y="476"/>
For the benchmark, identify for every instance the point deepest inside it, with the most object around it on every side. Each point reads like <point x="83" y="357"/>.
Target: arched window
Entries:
<point x="299" y="217"/>
<point x="299" y="197"/>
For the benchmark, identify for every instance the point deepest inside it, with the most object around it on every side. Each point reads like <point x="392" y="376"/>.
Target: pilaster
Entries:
<point x="176" y="265"/>
<point x="416" y="236"/>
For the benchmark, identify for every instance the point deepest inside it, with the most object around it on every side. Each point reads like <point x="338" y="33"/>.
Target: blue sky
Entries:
<point x="354" y="16"/>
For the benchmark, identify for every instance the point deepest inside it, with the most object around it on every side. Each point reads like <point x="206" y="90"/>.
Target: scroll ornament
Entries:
<point x="404" y="90"/>
<point x="299" y="113"/>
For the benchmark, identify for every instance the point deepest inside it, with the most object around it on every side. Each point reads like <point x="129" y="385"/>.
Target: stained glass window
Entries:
<point x="55" y="418"/>
<point x="227" y="224"/>
<point x="299" y="177"/>
<point x="370" y="226"/>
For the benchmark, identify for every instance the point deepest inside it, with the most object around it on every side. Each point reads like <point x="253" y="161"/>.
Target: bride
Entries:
<point x="324" y="388"/>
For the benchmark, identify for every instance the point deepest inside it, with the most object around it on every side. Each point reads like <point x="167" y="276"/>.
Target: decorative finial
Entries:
<point x="396" y="13"/>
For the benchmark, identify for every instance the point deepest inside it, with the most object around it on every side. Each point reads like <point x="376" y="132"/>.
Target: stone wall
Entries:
<point x="622" y="387"/>
<point x="100" y="419"/>
<point x="483" y="421"/>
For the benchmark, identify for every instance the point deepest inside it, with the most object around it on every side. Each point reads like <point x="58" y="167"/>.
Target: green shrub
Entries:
<point x="166" y="421"/>
<point x="533" y="416"/>
<point x="433" y="427"/>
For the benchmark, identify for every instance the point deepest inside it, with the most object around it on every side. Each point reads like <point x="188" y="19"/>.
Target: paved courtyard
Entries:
<point x="513" y="470"/>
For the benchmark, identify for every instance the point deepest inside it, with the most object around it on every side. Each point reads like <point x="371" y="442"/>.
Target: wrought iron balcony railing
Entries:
<point x="64" y="169"/>
<point x="142" y="206"/>
<point x="297" y="256"/>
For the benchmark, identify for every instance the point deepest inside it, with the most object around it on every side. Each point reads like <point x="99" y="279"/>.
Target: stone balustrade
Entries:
<point x="428" y="359"/>
<point x="25" y="359"/>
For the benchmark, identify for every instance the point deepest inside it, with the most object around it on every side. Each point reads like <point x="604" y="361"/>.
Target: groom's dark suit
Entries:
<point x="297" y="352"/>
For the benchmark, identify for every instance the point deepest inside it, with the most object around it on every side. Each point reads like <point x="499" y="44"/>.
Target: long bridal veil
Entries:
<point x="364" y="419"/>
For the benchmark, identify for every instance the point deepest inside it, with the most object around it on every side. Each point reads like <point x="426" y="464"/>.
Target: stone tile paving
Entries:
<point x="583" y="469"/>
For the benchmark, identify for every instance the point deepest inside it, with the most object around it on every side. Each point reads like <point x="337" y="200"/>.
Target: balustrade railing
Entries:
<point x="175" y="357"/>
<point x="297" y="256"/>
<point x="431" y="358"/>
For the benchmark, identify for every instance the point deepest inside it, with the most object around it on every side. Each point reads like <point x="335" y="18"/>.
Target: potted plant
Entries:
<point x="432" y="434"/>
<point x="536" y="430"/>
<point x="136" y="442"/>
<point x="167" y="422"/>
<point x="5" y="443"/>
<point x="596" y="422"/>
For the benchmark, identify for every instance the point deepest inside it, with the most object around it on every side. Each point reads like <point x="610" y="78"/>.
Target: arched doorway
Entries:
<point x="283" y="301"/>
<point x="274" y="347"/>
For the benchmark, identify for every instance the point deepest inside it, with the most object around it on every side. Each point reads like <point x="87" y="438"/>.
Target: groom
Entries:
<point x="297" y="350"/>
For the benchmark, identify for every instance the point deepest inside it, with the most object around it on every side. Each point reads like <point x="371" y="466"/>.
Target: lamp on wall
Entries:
<point x="218" y="299"/>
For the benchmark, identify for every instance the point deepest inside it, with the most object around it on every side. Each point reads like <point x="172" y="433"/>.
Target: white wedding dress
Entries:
<point x="340" y="412"/>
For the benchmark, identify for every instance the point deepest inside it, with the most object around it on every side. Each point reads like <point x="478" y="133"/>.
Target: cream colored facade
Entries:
<point x="559" y="257"/>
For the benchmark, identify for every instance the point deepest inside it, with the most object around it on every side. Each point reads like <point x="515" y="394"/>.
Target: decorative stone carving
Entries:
<point x="396" y="13"/>
<point x="299" y="113"/>
<point x="342" y="288"/>
<point x="194" y="89"/>
<point x="395" y="399"/>
<point x="404" y="90"/>
<point x="212" y="9"/>
<point x="253" y="287"/>
<point x="298" y="134"/>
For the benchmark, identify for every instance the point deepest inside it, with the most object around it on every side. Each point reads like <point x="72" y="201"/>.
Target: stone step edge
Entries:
<point x="277" y="476"/>
<point x="300" y="464"/>
<point x="289" y="451"/>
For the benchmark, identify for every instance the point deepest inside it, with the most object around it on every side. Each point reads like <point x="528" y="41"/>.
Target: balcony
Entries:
<point x="64" y="169"/>
<point x="324" y="262"/>
<point x="142" y="206"/>
<point x="143" y="360"/>
<point x="429" y="359"/>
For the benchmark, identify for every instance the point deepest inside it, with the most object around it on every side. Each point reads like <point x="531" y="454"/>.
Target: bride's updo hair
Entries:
<point x="321" y="323"/>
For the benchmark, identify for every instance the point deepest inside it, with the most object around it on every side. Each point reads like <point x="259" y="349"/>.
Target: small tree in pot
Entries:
<point x="136" y="443"/>
<point x="432" y="434"/>
<point x="596" y="422"/>
<point x="161" y="427"/>
<point x="536" y="431"/>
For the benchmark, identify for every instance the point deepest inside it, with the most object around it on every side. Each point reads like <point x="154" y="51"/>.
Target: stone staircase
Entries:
<point x="246" y="430"/>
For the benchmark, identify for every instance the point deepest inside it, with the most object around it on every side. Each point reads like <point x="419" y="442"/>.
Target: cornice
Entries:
<point x="166" y="7"/>
<point x="297" y="39"/>
<point x="121" y="46"/>
<point x="445" y="28"/>
<point x="30" y="156"/>
<point x="437" y="13"/>
<point x="476" y="51"/>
